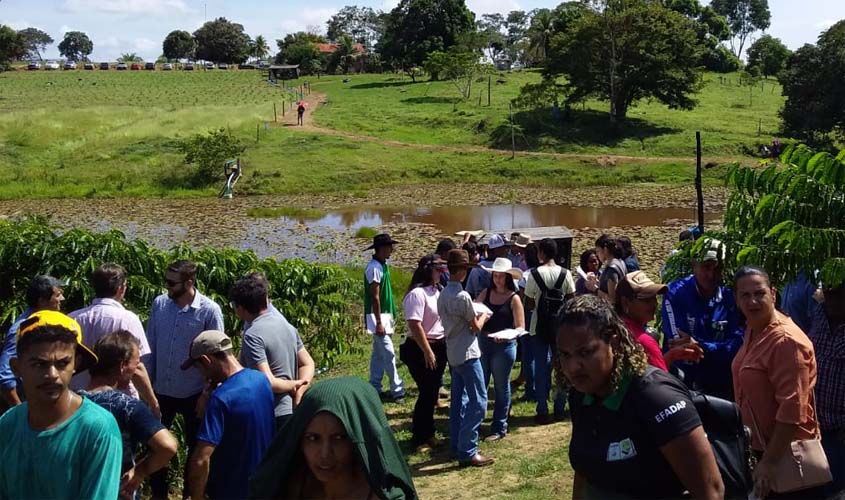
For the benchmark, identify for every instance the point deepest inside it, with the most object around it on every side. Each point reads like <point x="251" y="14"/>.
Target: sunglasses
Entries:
<point x="172" y="283"/>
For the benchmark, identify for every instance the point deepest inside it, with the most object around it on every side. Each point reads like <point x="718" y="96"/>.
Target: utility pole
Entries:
<point x="698" y="188"/>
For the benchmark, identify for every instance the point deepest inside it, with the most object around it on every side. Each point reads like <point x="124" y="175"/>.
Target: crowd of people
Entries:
<point x="92" y="396"/>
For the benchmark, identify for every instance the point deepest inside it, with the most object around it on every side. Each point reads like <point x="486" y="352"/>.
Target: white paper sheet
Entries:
<point x="509" y="334"/>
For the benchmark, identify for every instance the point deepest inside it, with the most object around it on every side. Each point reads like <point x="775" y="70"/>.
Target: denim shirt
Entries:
<point x="8" y="381"/>
<point x="170" y="332"/>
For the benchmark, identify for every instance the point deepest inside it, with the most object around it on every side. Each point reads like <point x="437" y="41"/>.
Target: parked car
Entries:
<point x="51" y="65"/>
<point x="263" y="65"/>
<point x="223" y="66"/>
<point x="70" y="65"/>
<point x="246" y="66"/>
<point x="167" y="67"/>
<point x="89" y="66"/>
<point x="209" y="65"/>
<point x="136" y="67"/>
<point x="150" y="66"/>
<point x="104" y="65"/>
<point x="33" y="66"/>
<point x="188" y="67"/>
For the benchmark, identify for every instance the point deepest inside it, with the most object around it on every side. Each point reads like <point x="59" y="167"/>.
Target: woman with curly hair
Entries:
<point x="635" y="430"/>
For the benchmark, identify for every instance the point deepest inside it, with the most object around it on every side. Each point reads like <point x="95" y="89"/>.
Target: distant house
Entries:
<point x="331" y="48"/>
<point x="503" y="63"/>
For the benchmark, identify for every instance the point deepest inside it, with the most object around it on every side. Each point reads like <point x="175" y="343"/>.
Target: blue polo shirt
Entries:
<point x="8" y="381"/>
<point x="714" y="324"/>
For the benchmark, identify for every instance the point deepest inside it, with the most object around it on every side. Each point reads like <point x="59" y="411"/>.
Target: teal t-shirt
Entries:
<point x="78" y="459"/>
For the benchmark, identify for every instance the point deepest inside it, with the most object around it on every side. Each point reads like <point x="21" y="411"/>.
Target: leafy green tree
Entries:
<point x="814" y="87"/>
<point x="301" y="48"/>
<point x="259" y="48"/>
<point x="36" y="42"/>
<point x="624" y="54"/>
<point x="208" y="152"/>
<point x="540" y="34"/>
<point x="130" y="57"/>
<point x="416" y="28"/>
<point x="720" y="59"/>
<point x="745" y="17"/>
<point x="492" y="27"/>
<point x="768" y="55"/>
<point x="363" y="24"/>
<point x="516" y="26"/>
<point x="346" y="53"/>
<point x="12" y="46"/>
<point x="790" y="216"/>
<point x="76" y="46"/>
<point x="222" y="41"/>
<point x="179" y="45"/>
<point x="461" y="67"/>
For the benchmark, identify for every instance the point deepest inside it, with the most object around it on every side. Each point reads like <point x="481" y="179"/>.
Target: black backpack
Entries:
<point x="730" y="441"/>
<point x="550" y="302"/>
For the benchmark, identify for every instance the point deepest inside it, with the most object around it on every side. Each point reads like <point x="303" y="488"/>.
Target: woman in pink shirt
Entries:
<point x="424" y="352"/>
<point x="636" y="303"/>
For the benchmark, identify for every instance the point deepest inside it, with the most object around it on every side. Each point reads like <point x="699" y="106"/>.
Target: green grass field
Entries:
<point x="95" y="134"/>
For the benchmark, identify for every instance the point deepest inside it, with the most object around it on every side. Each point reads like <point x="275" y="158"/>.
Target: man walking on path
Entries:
<point x="44" y="293"/>
<point x="177" y="317"/>
<point x="237" y="425"/>
<point x="271" y="345"/>
<point x="106" y="314"/>
<point x="378" y="308"/>
<point x="119" y="355"/>
<point x="57" y="444"/>
<point x="300" y="113"/>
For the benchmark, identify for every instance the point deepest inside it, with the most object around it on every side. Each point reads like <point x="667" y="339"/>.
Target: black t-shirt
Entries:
<point x="616" y="443"/>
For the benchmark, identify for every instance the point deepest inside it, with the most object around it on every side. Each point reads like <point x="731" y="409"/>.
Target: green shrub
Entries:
<point x="208" y="153"/>
<point x="366" y="232"/>
<point x="296" y="212"/>
<point x="315" y="298"/>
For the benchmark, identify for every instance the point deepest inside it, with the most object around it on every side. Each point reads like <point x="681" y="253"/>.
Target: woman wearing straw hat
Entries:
<point x="497" y="356"/>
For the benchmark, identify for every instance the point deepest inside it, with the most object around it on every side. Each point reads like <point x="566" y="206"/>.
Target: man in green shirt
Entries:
<point x="380" y="312"/>
<point x="58" y="444"/>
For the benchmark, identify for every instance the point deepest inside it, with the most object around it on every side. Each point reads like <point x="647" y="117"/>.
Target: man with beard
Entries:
<point x="57" y="444"/>
<point x="176" y="319"/>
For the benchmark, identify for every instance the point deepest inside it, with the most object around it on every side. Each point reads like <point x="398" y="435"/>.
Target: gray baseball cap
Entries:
<point x="206" y="343"/>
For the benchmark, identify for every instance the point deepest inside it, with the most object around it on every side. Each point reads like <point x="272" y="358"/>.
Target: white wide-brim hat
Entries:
<point x="503" y="265"/>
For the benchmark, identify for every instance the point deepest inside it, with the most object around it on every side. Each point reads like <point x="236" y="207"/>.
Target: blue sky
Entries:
<point x="118" y="26"/>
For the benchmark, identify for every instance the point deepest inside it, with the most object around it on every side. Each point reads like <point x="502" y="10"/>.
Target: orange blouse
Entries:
<point x="774" y="373"/>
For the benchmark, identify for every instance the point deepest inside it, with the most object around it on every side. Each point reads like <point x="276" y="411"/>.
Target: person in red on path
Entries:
<point x="636" y="303"/>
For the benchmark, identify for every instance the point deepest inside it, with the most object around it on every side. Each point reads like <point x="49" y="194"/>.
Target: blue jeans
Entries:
<point x="528" y="364"/>
<point x="833" y="443"/>
<point x="383" y="362"/>
<point x="543" y="378"/>
<point x="497" y="360"/>
<point x="466" y="411"/>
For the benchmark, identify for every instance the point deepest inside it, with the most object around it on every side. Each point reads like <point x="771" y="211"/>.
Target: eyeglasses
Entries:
<point x="170" y="283"/>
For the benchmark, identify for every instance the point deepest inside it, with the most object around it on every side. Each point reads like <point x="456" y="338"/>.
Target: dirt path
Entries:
<point x="316" y="100"/>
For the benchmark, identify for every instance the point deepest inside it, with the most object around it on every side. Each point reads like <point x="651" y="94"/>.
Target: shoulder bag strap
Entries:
<point x="560" y="278"/>
<point x="539" y="279"/>
<point x="757" y="429"/>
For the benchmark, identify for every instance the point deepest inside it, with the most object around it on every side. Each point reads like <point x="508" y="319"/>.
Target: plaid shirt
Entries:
<point x="830" y="361"/>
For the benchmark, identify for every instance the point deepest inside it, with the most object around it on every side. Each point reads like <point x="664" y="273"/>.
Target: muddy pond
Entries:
<point x="328" y="237"/>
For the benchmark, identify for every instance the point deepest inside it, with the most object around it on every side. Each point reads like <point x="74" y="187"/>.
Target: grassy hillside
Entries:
<point x="77" y="133"/>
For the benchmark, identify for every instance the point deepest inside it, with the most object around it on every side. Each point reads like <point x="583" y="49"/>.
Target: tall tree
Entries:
<point x="516" y="26"/>
<point x="745" y="17"/>
<point x="540" y="35"/>
<point x="492" y="27"/>
<point x="301" y="48"/>
<point x="12" y="46"/>
<point x="222" y="41"/>
<point x="416" y="28"/>
<point x="179" y="44"/>
<point x="814" y="86"/>
<point x="76" y="46"/>
<point x="622" y="54"/>
<point x="36" y="42"/>
<point x="363" y="24"/>
<point x="767" y="56"/>
<point x="259" y="48"/>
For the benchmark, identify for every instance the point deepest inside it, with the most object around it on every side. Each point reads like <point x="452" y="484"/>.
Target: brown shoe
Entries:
<point x="478" y="460"/>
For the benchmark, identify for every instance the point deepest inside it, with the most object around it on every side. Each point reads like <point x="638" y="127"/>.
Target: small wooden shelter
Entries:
<point x="283" y="72"/>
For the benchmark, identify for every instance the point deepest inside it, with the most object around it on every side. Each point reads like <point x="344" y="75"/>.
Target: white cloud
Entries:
<point x="17" y="25"/>
<point x="64" y="29"/>
<point x="491" y="6"/>
<point x="824" y="24"/>
<point x="131" y="7"/>
<point x="145" y="44"/>
<point x="307" y="18"/>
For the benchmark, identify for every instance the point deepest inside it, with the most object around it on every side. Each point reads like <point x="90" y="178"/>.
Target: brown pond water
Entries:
<point x="224" y="223"/>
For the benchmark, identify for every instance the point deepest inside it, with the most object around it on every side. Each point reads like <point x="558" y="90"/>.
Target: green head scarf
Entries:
<point x="356" y="404"/>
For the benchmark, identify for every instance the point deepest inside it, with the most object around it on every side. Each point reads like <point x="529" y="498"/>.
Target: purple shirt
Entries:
<point x="106" y="316"/>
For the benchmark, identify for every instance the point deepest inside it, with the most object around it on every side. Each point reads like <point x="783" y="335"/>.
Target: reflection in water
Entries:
<point x="451" y="219"/>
